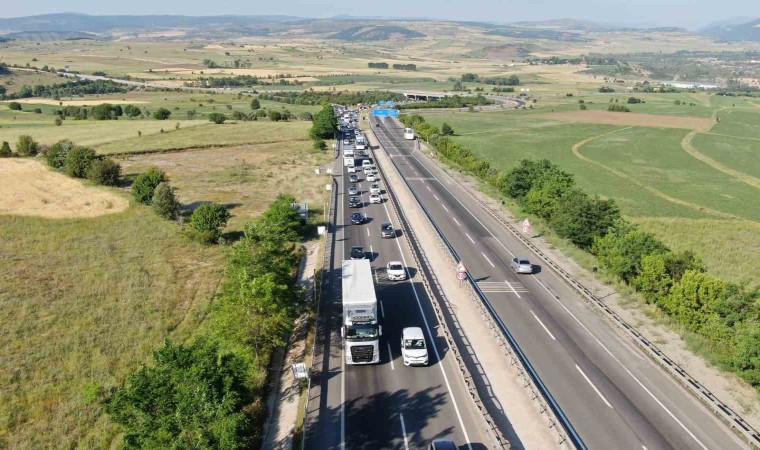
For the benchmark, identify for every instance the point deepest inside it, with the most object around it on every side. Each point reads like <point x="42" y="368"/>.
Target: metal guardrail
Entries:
<point x="721" y="410"/>
<point x="537" y="385"/>
<point x="491" y="427"/>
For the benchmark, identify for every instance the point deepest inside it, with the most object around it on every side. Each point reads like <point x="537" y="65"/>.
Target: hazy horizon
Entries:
<point x="643" y="13"/>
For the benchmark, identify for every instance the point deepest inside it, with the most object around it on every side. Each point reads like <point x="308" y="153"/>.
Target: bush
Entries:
<point x="192" y="396"/>
<point x="58" y="121"/>
<point x="5" y="150"/>
<point x="320" y="145"/>
<point x="131" y="111"/>
<point x="145" y="184"/>
<point x="106" y="111"/>
<point x="606" y="89"/>
<point x="446" y="130"/>
<point x="165" y="202"/>
<point x="162" y="114"/>
<point x="208" y="220"/>
<point x="104" y="171"/>
<point x="14" y="106"/>
<point x="26" y="146"/>
<point x="275" y="116"/>
<point x="217" y="118"/>
<point x="57" y="153"/>
<point x="239" y="116"/>
<point x="79" y="160"/>
<point x="255" y="104"/>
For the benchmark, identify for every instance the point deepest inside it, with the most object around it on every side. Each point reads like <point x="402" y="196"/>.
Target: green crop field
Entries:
<point x="653" y="179"/>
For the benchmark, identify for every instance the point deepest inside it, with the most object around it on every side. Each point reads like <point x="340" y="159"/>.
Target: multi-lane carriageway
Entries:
<point x="614" y="397"/>
<point x="388" y="405"/>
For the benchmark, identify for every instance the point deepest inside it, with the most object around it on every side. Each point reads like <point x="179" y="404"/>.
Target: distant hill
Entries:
<point x="102" y="24"/>
<point x="732" y="31"/>
<point x="570" y="24"/>
<point x="49" y="35"/>
<point x="376" y="33"/>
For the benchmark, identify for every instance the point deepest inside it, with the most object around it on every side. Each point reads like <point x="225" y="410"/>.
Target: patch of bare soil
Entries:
<point x="28" y="188"/>
<point x="635" y="119"/>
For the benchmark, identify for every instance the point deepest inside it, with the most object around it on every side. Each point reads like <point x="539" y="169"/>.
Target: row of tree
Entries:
<point x="377" y="65"/>
<point x="68" y="89"/>
<point x="725" y="316"/>
<point x="209" y="393"/>
<point x="455" y="101"/>
<point x="312" y="97"/>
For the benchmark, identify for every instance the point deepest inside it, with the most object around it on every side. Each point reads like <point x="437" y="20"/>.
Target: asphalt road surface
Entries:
<point x="388" y="405"/>
<point x="614" y="396"/>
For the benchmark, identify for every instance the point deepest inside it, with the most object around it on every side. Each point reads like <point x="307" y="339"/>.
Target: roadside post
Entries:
<point x="461" y="273"/>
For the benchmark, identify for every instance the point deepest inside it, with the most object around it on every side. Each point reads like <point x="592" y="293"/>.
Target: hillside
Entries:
<point x="744" y="31"/>
<point x="376" y="33"/>
<point x="49" y="35"/>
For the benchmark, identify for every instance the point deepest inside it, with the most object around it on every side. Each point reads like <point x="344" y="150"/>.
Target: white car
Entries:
<point x="353" y="190"/>
<point x="374" y="188"/>
<point x="375" y="198"/>
<point x="413" y="347"/>
<point x="368" y="170"/>
<point x="352" y="169"/>
<point x="395" y="271"/>
<point x="372" y="177"/>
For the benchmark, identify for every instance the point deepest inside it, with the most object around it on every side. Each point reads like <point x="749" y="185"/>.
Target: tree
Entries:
<point x="79" y="160"/>
<point x="208" y="220"/>
<point x="513" y="80"/>
<point x="26" y="146"/>
<point x="255" y="104"/>
<point x="275" y="116"/>
<point x="104" y="171"/>
<point x="162" y="114"/>
<point x="145" y="184"/>
<point x="5" y="150"/>
<point x="746" y="355"/>
<point x="131" y="111"/>
<point x="325" y="123"/>
<point x="653" y="281"/>
<point x="193" y="396"/>
<point x="14" y="106"/>
<point x="446" y="129"/>
<point x="694" y="299"/>
<point x="581" y="219"/>
<point x="105" y="111"/>
<point x="217" y="118"/>
<point x="165" y="202"/>
<point x="320" y="145"/>
<point x="623" y="248"/>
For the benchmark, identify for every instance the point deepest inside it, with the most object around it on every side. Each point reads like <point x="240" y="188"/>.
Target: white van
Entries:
<point x="413" y="347"/>
<point x="408" y="134"/>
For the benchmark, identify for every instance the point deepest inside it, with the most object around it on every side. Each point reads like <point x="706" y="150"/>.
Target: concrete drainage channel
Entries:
<point x="547" y="406"/>
<point x="719" y="409"/>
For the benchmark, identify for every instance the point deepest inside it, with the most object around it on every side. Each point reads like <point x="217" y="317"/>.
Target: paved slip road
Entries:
<point x="388" y="405"/>
<point x="612" y="394"/>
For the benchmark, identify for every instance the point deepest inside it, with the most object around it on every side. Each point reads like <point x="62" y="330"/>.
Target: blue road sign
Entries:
<point x="385" y="112"/>
<point x="393" y="112"/>
<point x="381" y="102"/>
<point x="390" y="103"/>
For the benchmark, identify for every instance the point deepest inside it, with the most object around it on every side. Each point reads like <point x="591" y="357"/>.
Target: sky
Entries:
<point x="690" y="14"/>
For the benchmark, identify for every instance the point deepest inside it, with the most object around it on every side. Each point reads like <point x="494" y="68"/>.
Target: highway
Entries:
<point x="388" y="405"/>
<point x="614" y="396"/>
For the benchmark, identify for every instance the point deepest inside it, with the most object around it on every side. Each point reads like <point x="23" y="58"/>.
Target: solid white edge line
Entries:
<point x="430" y="337"/>
<point x="544" y="326"/>
<point x="678" y="421"/>
<point x="489" y="261"/>
<point x="646" y="389"/>
<point x="342" y="347"/>
<point x="593" y="387"/>
<point x="390" y="355"/>
<point x="403" y="430"/>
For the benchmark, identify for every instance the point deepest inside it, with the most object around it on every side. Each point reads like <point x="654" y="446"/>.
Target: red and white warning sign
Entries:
<point x="526" y="225"/>
<point x="461" y="271"/>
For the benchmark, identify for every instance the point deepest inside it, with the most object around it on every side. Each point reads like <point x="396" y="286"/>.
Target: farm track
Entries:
<point x="576" y="151"/>
<point x="691" y="150"/>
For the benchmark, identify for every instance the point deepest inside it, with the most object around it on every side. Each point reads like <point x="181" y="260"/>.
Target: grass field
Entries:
<point x="85" y="302"/>
<point x="653" y="179"/>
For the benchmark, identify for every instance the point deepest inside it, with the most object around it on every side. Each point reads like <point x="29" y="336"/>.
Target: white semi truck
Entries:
<point x="349" y="158"/>
<point x="361" y="331"/>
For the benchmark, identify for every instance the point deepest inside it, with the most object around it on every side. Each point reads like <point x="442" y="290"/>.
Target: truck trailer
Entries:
<point x="361" y="331"/>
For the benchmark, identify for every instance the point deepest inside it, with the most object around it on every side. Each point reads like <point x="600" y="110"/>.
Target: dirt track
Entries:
<point x="28" y="188"/>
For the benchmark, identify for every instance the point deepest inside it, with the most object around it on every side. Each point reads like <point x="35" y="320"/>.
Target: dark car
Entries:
<point x="357" y="218"/>
<point x="386" y="230"/>
<point x="442" y="444"/>
<point x="357" y="252"/>
<point x="355" y="202"/>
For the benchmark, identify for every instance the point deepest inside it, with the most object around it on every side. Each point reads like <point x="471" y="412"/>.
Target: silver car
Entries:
<point x="521" y="265"/>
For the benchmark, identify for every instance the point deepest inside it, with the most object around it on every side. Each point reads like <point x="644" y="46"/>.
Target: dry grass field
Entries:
<point x="633" y="119"/>
<point x="29" y="188"/>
